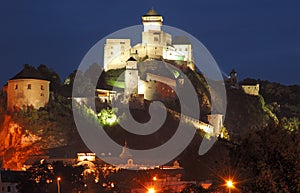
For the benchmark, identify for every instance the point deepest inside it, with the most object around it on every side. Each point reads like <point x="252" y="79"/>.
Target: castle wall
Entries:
<point x="216" y="120"/>
<point x="186" y="50"/>
<point x="153" y="37"/>
<point x="131" y="83"/>
<point x="27" y="92"/>
<point x="251" y="89"/>
<point x="157" y="91"/>
<point x="116" y="53"/>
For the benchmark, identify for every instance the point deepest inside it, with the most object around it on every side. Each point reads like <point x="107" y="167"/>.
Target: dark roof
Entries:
<point x="233" y="71"/>
<point x="152" y="12"/>
<point x="181" y="40"/>
<point x="131" y="59"/>
<point x="29" y="72"/>
<point x="11" y="176"/>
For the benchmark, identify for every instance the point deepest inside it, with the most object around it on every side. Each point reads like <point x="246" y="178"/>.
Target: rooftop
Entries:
<point x="152" y="12"/>
<point x="181" y="40"/>
<point x="29" y="72"/>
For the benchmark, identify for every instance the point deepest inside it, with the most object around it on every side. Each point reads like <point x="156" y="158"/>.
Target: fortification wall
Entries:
<point x="27" y="92"/>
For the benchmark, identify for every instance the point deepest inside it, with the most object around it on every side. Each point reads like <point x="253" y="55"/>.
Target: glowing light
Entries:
<point x="229" y="184"/>
<point x="58" y="179"/>
<point x="154" y="178"/>
<point x="107" y="117"/>
<point x="151" y="190"/>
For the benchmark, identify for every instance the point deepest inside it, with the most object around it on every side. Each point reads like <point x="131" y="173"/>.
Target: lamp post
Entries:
<point x="58" y="184"/>
<point x="230" y="185"/>
<point x="151" y="190"/>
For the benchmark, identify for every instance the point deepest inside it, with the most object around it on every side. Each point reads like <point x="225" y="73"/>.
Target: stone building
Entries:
<point x="27" y="88"/>
<point x="156" y="44"/>
<point x="251" y="89"/>
<point x="9" y="180"/>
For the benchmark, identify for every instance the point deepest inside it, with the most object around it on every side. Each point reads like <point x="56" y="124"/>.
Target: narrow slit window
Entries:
<point x="29" y="86"/>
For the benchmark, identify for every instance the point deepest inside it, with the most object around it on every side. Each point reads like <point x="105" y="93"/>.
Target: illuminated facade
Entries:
<point x="27" y="88"/>
<point x="251" y="89"/>
<point x="156" y="44"/>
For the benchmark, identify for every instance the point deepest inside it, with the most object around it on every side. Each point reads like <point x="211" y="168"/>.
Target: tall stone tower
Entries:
<point x="131" y="78"/>
<point x="152" y="34"/>
<point x="27" y="88"/>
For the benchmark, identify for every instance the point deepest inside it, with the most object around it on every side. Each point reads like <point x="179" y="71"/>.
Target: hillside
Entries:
<point x="51" y="130"/>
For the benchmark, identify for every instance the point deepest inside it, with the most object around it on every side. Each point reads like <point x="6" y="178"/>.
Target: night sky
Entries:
<point x="259" y="38"/>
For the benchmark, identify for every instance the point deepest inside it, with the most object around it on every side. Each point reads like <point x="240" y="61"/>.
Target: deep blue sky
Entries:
<point x="259" y="38"/>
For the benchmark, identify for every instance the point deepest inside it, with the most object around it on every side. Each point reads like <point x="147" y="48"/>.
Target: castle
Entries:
<point x="156" y="44"/>
<point x="149" y="67"/>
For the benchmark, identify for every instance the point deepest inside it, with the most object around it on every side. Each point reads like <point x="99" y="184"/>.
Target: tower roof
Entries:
<point x="131" y="59"/>
<point x="181" y="40"/>
<point x="151" y="12"/>
<point x="29" y="72"/>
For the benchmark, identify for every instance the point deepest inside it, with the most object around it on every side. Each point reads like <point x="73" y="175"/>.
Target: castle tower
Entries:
<point x="131" y="78"/>
<point x="125" y="154"/>
<point x="216" y="120"/>
<point x="27" y="88"/>
<point x="152" y="35"/>
<point x="233" y="79"/>
<point x="152" y="21"/>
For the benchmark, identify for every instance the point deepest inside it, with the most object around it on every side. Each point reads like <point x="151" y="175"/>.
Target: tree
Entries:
<point x="52" y="76"/>
<point x="42" y="177"/>
<point x="268" y="160"/>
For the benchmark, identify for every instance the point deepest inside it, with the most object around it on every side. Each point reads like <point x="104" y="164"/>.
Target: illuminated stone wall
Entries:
<point x="251" y="89"/>
<point x="27" y="92"/>
<point x="216" y="120"/>
<point x="116" y="53"/>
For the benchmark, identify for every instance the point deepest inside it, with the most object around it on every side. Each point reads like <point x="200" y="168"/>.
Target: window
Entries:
<point x="42" y="94"/>
<point x="156" y="39"/>
<point x="186" y="49"/>
<point x="111" y="53"/>
<point x="16" y="87"/>
<point x="29" y="86"/>
<point x="42" y="87"/>
<point x="8" y="188"/>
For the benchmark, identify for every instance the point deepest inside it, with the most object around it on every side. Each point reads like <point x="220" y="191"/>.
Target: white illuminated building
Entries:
<point x="156" y="44"/>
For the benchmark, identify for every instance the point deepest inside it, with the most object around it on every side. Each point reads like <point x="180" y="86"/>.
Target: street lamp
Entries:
<point x="230" y="185"/>
<point x="151" y="190"/>
<point x="58" y="184"/>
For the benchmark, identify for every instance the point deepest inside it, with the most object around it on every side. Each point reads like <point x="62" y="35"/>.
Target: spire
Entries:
<point x="152" y="12"/>
<point x="125" y="152"/>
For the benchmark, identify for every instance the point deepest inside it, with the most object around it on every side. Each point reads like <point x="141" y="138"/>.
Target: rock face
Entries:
<point x="17" y="144"/>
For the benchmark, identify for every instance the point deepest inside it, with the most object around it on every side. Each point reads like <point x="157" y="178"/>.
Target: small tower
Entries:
<point x="152" y="21"/>
<point x="125" y="154"/>
<point x="153" y="36"/>
<point x="28" y="88"/>
<point x="131" y="79"/>
<point x="233" y="79"/>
